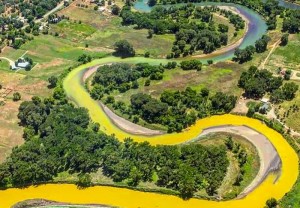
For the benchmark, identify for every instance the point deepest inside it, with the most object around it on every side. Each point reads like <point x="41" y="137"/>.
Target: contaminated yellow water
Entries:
<point x="133" y="199"/>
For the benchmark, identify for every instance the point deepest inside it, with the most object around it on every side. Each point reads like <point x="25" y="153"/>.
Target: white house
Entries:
<point x="23" y="64"/>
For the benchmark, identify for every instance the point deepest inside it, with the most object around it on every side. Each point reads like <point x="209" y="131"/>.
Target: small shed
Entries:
<point x="23" y="64"/>
<point x="265" y="100"/>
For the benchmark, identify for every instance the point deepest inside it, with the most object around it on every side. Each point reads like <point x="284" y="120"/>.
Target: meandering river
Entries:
<point x="132" y="199"/>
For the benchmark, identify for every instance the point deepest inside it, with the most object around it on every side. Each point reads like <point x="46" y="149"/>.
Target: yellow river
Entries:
<point x="133" y="199"/>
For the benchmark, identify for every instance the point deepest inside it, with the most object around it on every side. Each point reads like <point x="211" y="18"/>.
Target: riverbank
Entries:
<point x="268" y="155"/>
<point x="123" y="197"/>
<point x="232" y="45"/>
<point x="41" y="203"/>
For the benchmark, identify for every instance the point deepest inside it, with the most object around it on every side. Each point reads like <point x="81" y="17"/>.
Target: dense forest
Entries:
<point x="60" y="137"/>
<point x="257" y="83"/>
<point x="175" y="110"/>
<point x="193" y="26"/>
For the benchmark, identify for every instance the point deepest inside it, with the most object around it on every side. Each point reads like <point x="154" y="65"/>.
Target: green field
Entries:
<point x="287" y="56"/>
<point x="177" y="79"/>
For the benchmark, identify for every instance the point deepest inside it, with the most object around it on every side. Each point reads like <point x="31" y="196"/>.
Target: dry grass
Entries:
<point x="11" y="132"/>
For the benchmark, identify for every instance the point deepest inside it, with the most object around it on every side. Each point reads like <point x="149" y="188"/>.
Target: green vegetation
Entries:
<point x="124" y="49"/>
<point x="60" y="140"/>
<point x="271" y="203"/>
<point x="258" y="82"/>
<point x="238" y="177"/>
<point x="244" y="55"/>
<point x="193" y="26"/>
<point x="16" y="96"/>
<point x="176" y="110"/>
<point x="14" y="35"/>
<point x="56" y="132"/>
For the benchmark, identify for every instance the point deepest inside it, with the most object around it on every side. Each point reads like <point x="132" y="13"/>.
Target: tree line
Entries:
<point x="60" y="137"/>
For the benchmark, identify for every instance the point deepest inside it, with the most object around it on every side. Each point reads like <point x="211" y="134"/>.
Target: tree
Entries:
<point x="115" y="10"/>
<point x="277" y="96"/>
<point x="271" y="203"/>
<point x="84" y="58"/>
<point x="187" y="182"/>
<point x="152" y="2"/>
<point x="147" y="82"/>
<point x="95" y="127"/>
<point x="289" y="90"/>
<point x="150" y="33"/>
<point x="16" y="96"/>
<point x="110" y="100"/>
<point x="84" y="180"/>
<point x="288" y="74"/>
<point x="124" y="48"/>
<point x="147" y="54"/>
<point x="229" y="143"/>
<point x="134" y="177"/>
<point x="250" y="112"/>
<point x="135" y="85"/>
<point x="244" y="55"/>
<point x="261" y="44"/>
<point x="52" y="81"/>
<point x="284" y="39"/>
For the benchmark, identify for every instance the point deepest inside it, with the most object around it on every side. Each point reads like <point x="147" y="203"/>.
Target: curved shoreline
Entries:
<point x="128" y="126"/>
<point x="269" y="159"/>
<point x="124" y="198"/>
<point x="122" y="123"/>
<point x="234" y="44"/>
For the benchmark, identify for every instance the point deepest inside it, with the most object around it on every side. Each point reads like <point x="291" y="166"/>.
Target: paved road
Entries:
<point x="11" y="62"/>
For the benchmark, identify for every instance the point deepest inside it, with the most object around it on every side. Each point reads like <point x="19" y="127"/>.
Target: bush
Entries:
<point x="271" y="203"/>
<point x="147" y="54"/>
<point x="84" y="180"/>
<point x="16" y="96"/>
<point x="52" y="81"/>
<point x="124" y="49"/>
<point x="147" y="82"/>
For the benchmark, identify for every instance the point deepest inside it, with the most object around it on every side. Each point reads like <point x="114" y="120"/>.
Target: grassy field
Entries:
<point x="102" y="30"/>
<point x="52" y="56"/>
<point x="287" y="56"/>
<point x="288" y="115"/>
<point x="177" y="79"/>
